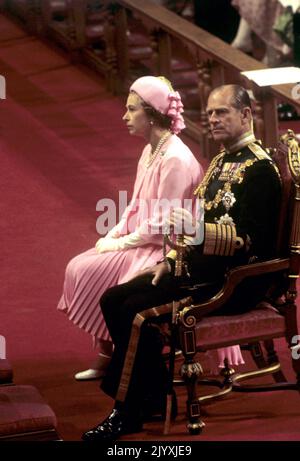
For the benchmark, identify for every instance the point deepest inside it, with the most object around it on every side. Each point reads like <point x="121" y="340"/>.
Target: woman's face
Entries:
<point x="135" y="117"/>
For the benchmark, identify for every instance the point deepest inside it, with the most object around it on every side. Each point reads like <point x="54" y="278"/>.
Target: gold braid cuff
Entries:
<point x="172" y="254"/>
<point x="221" y="240"/>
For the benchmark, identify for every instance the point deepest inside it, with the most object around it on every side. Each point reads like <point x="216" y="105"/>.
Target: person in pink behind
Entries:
<point x="167" y="171"/>
<point x="260" y="17"/>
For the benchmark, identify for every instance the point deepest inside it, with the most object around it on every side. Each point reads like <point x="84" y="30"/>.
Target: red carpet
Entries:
<point x="63" y="147"/>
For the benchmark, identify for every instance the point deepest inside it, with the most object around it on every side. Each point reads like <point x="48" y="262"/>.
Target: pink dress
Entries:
<point x="174" y="174"/>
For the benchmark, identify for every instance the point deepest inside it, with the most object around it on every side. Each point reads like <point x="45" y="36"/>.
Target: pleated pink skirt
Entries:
<point x="89" y="274"/>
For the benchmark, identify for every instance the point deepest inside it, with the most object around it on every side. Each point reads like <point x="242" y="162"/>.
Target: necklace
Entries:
<point x="154" y="154"/>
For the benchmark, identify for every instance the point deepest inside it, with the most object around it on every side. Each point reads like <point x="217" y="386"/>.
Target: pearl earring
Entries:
<point x="151" y="122"/>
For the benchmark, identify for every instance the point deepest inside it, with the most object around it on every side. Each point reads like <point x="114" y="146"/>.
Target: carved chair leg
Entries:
<point x="227" y="372"/>
<point x="190" y="372"/>
<point x="272" y="358"/>
<point x="257" y="355"/>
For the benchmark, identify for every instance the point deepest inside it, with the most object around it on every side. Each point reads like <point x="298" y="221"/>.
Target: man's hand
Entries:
<point x="158" y="271"/>
<point x="184" y="222"/>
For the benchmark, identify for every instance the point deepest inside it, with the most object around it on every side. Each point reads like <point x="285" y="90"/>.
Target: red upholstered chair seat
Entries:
<point x="228" y="330"/>
<point x="6" y="373"/>
<point x="25" y="415"/>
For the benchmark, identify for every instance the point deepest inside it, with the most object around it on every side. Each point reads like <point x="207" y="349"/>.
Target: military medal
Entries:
<point x="229" y="171"/>
<point x="228" y="200"/>
<point x="233" y="172"/>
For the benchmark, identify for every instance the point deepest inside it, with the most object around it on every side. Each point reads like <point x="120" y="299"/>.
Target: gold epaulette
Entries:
<point x="258" y="151"/>
<point x="261" y="154"/>
<point x="221" y="240"/>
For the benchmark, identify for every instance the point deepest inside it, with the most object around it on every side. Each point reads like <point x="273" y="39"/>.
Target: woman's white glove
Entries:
<point x="184" y="222"/>
<point x="118" y="244"/>
<point x="115" y="231"/>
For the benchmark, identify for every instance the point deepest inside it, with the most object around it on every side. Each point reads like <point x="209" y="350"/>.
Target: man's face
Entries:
<point x="226" y="122"/>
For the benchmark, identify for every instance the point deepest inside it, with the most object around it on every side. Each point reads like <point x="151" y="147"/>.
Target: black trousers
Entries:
<point x="120" y="305"/>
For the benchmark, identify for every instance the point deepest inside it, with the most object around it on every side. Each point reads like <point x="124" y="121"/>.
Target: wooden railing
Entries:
<point x="215" y="63"/>
<point x="138" y="37"/>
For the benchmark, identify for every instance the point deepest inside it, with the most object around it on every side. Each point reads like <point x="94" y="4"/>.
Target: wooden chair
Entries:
<point x="273" y="318"/>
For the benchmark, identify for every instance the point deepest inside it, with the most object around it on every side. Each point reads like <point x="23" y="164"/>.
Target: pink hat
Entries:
<point x="158" y="93"/>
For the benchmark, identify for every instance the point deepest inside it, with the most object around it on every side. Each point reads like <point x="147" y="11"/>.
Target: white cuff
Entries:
<point x="117" y="244"/>
<point x="131" y="240"/>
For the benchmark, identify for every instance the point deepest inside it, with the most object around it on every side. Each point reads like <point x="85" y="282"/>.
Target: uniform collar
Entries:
<point x="241" y="142"/>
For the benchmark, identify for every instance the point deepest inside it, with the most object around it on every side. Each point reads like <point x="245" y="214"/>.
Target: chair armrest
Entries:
<point x="233" y="278"/>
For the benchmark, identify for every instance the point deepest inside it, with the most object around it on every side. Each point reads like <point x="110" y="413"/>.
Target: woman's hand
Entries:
<point x="118" y="244"/>
<point x="107" y="244"/>
<point x="98" y="245"/>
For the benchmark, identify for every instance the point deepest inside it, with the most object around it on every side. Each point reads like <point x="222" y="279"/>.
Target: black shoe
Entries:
<point x="115" y="425"/>
<point x="154" y="408"/>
